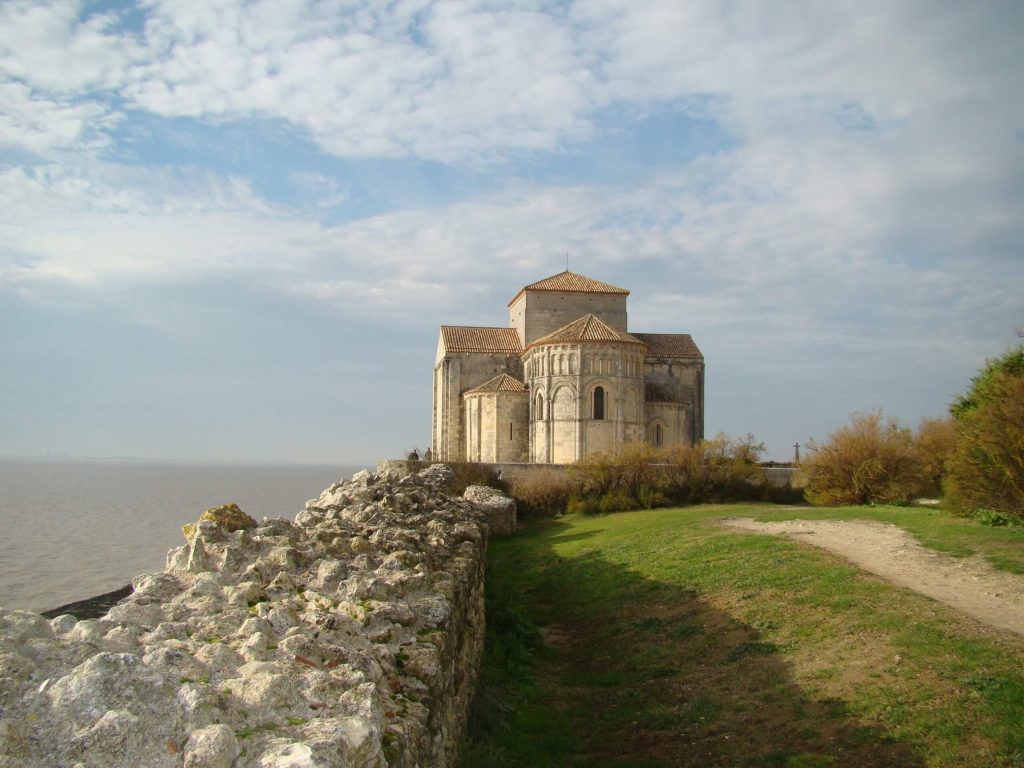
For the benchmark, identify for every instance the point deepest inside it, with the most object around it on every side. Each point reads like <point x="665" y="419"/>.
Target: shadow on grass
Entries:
<point x="590" y="664"/>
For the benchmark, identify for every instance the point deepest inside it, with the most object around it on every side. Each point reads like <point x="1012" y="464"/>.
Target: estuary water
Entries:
<point x="70" y="530"/>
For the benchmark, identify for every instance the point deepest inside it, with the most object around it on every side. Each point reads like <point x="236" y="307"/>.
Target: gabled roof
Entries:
<point x="461" y="338"/>
<point x="570" y="282"/>
<point x="588" y="329"/>
<point x="500" y="383"/>
<point x="670" y="345"/>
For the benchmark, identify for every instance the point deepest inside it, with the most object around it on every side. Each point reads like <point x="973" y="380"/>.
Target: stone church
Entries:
<point x="567" y="379"/>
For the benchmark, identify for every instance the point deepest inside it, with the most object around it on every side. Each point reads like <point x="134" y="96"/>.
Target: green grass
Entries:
<point x="659" y="638"/>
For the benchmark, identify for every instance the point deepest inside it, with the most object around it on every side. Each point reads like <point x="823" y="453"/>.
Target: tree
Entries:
<point x="983" y="386"/>
<point x="871" y="460"/>
<point x="986" y="473"/>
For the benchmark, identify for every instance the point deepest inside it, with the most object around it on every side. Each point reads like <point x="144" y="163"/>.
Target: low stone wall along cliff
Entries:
<point x="349" y="637"/>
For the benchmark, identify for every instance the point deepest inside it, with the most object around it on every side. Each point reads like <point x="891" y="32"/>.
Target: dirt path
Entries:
<point x="968" y="584"/>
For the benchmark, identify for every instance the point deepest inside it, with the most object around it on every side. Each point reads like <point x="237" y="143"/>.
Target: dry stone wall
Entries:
<point x="350" y="636"/>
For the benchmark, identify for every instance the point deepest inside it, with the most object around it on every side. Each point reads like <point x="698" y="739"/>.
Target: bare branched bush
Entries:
<point x="639" y="475"/>
<point x="719" y="469"/>
<point x="597" y="474"/>
<point x="871" y="460"/>
<point x="543" y="494"/>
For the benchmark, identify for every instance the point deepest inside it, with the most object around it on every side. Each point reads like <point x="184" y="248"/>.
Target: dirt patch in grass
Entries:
<point x="968" y="584"/>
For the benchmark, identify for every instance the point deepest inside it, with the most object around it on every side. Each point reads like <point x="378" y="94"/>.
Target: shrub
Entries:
<point x="871" y="460"/>
<point x="934" y="443"/>
<point x="588" y="505"/>
<point x="636" y="469"/>
<point x="720" y="469"/>
<point x="651" y="498"/>
<point x="986" y="472"/>
<point x="597" y="474"/>
<point x="639" y="475"/>
<point x="542" y="494"/>
<point x="616" y="501"/>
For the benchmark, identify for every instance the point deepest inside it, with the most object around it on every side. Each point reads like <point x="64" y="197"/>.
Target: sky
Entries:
<point x="230" y="229"/>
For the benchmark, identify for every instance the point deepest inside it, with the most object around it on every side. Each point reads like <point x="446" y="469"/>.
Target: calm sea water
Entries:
<point x="72" y="530"/>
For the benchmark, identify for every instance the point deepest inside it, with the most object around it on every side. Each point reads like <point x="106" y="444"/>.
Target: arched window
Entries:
<point x="659" y="435"/>
<point x="538" y="412"/>
<point x="598" y="403"/>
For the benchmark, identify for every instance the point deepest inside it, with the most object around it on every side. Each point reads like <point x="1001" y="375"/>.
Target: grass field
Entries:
<point x="658" y="638"/>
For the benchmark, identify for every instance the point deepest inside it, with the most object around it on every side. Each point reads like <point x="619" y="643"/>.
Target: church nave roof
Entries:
<point x="462" y="338"/>
<point x="670" y="345"/>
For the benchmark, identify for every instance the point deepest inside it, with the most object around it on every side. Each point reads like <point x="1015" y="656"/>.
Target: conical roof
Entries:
<point x="588" y="329"/>
<point x="500" y="383"/>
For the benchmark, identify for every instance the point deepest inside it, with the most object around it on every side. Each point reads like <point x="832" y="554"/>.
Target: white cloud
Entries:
<point x="449" y="82"/>
<point x="473" y="80"/>
<point x="102" y="231"/>
<point x="40" y="124"/>
<point x="781" y="237"/>
<point x="846" y="179"/>
<point x="52" y="48"/>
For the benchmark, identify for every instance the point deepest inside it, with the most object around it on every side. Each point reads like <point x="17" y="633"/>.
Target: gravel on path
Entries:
<point x="969" y="584"/>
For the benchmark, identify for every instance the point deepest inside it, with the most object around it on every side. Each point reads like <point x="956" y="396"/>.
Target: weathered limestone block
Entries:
<point x="350" y="637"/>
<point x="214" y="746"/>
<point x="500" y="509"/>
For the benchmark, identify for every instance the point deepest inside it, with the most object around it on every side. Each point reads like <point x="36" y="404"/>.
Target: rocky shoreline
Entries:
<point x="350" y="636"/>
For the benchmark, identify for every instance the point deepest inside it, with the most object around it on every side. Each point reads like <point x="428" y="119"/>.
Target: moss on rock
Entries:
<point x="228" y="516"/>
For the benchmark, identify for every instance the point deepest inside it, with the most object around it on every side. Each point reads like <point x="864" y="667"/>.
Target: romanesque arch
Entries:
<point x="563" y="403"/>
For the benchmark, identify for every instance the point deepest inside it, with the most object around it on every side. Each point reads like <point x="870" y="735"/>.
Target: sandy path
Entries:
<point x="968" y="584"/>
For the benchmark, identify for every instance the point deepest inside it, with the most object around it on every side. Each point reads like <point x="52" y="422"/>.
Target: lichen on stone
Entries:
<point x="228" y="516"/>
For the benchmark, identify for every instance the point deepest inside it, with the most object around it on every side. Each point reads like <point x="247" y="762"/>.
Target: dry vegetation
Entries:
<point x="975" y="458"/>
<point x="641" y="476"/>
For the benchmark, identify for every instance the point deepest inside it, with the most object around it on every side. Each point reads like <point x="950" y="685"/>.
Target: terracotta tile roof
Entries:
<point x="462" y="338"/>
<point x="670" y="345"/>
<point x="588" y="328"/>
<point x="570" y="282"/>
<point x="500" y="383"/>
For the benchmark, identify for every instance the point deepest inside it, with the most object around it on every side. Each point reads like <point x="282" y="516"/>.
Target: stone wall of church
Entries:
<point x="497" y="426"/>
<point x="551" y="310"/>
<point x="453" y="375"/>
<point x="568" y="419"/>
<point x="671" y="418"/>
<point x="682" y="380"/>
